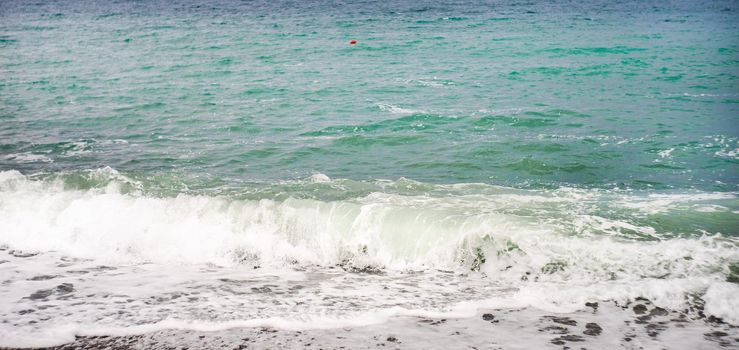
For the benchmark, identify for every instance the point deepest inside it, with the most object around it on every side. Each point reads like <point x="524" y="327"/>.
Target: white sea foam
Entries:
<point x="721" y="301"/>
<point x="66" y="333"/>
<point x="728" y="147"/>
<point x="29" y="158"/>
<point x="548" y="249"/>
<point x="660" y="203"/>
<point x="320" y="178"/>
<point x="666" y="153"/>
<point x="705" y="95"/>
<point x="394" y="231"/>
<point x="733" y="153"/>
<point x="398" y="110"/>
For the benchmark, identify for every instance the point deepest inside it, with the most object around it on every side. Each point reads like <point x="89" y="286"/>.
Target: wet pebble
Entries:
<point x="40" y="294"/>
<point x="567" y="338"/>
<point x="65" y="288"/>
<point x="555" y="330"/>
<point x="42" y="277"/>
<point x="658" y="311"/>
<point x="640" y="309"/>
<point x="563" y="320"/>
<point x="593" y="329"/>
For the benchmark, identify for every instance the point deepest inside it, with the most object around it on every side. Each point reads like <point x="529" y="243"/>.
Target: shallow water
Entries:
<point x="235" y="162"/>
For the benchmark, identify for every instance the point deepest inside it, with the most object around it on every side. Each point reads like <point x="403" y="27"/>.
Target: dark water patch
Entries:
<point x="614" y="50"/>
<point x="634" y="62"/>
<point x="366" y="141"/>
<point x="576" y="168"/>
<point x="566" y="113"/>
<point x="733" y="275"/>
<point x="692" y="223"/>
<point x="342" y="130"/>
<point x="533" y="122"/>
<point x="246" y="128"/>
<point x="209" y="74"/>
<point x="261" y="153"/>
<point x="109" y="15"/>
<point x="537" y="167"/>
<point x="306" y="152"/>
<point x="547" y="70"/>
<point x="487" y="152"/>
<point x="672" y="78"/>
<point x="225" y="61"/>
<point x="646" y="184"/>
<point x="534" y="119"/>
<point x="38" y="28"/>
<point x="595" y="70"/>
<point x="456" y="166"/>
<point x="489" y="121"/>
<point x="7" y="40"/>
<point x="541" y="147"/>
<point x="532" y="166"/>
<point x="85" y="180"/>
<point x="662" y="166"/>
<point x="141" y="107"/>
<point x="414" y="122"/>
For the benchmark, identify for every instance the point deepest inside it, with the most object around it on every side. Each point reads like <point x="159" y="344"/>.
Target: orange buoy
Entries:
<point x="353" y="42"/>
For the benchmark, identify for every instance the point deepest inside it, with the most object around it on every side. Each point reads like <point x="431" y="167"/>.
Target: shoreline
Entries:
<point x="605" y="325"/>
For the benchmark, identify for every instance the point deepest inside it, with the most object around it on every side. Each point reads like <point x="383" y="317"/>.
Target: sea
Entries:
<point x="210" y="165"/>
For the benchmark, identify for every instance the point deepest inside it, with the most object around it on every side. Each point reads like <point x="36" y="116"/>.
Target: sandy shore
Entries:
<point x="639" y="325"/>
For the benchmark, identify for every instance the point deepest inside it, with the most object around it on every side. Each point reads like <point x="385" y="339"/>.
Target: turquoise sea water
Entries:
<point x="601" y="95"/>
<point x="575" y="146"/>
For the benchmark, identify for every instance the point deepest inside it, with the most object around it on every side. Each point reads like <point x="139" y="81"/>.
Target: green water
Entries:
<point x="633" y="96"/>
